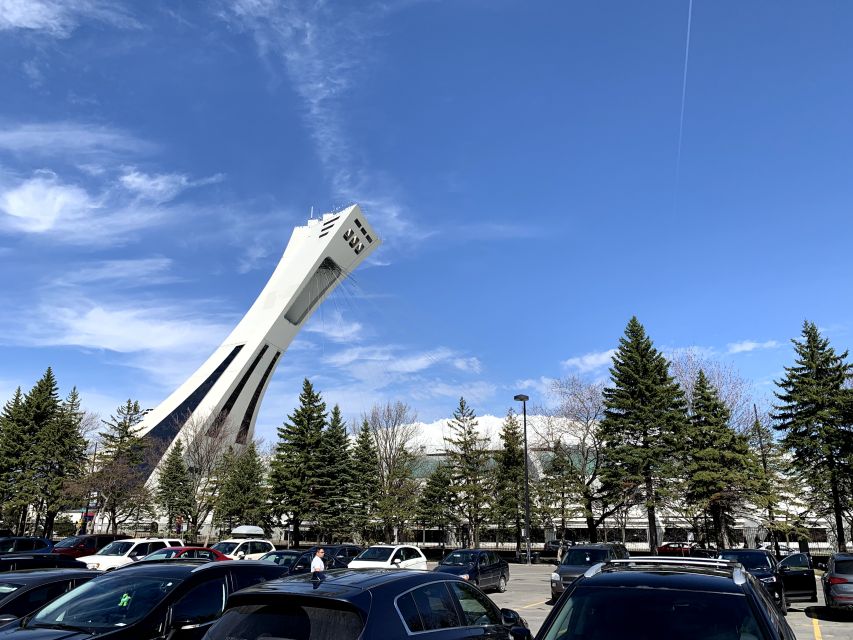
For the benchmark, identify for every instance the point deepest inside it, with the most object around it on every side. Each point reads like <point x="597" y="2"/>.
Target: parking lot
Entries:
<point x="529" y="590"/>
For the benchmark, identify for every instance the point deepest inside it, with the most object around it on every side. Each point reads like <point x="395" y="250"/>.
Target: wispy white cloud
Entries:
<point x="542" y="387"/>
<point x="59" y="18"/>
<point x="590" y="361"/>
<point x="82" y="142"/>
<point x="475" y="392"/>
<point x="40" y="203"/>
<point x="333" y="326"/>
<point x="468" y="364"/>
<point x="162" y="187"/>
<point x="129" y="273"/>
<point x="746" y="346"/>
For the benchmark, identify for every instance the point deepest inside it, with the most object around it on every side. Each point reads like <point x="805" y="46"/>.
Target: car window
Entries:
<point x="477" y="609"/>
<point x="435" y="607"/>
<point x="409" y="613"/>
<point x="243" y="578"/>
<point x="153" y="546"/>
<point x="380" y="554"/>
<point x="35" y="598"/>
<point x="288" y="620"/>
<point x="843" y="566"/>
<point x="484" y="560"/>
<point x="459" y="558"/>
<point x="410" y="553"/>
<point x="398" y="555"/>
<point x="201" y="604"/>
<point x="25" y="545"/>
<point x="118" y="548"/>
<point x="584" y="557"/>
<point x="225" y="547"/>
<point x="203" y="553"/>
<point x="751" y="560"/>
<point x="71" y="541"/>
<point x="243" y="548"/>
<point x="797" y="562"/>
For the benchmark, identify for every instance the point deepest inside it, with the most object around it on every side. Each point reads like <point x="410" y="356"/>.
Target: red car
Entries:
<point x="204" y="553"/>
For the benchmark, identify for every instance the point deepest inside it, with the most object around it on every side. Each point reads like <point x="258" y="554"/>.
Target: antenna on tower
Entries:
<point x="312" y="211"/>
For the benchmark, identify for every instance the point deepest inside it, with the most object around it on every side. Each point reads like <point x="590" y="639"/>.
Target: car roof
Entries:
<point x="593" y="545"/>
<point x="295" y="552"/>
<point x="673" y="576"/>
<point x="739" y="551"/>
<point x="843" y="555"/>
<point x="29" y="576"/>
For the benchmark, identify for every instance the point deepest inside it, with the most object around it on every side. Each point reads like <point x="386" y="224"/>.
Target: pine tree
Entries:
<point x="507" y="480"/>
<point x="720" y="469"/>
<point x="364" y="487"/>
<point x="121" y="441"/>
<point x="297" y="466"/>
<point x="243" y="493"/>
<point x="334" y="515"/>
<point x="467" y="453"/>
<point x="644" y="413"/>
<point x="14" y="442"/>
<point x="814" y="415"/>
<point x="558" y="486"/>
<point x="174" y="494"/>
<point x="437" y="503"/>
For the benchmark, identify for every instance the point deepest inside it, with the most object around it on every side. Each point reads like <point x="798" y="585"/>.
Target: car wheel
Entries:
<point x="501" y="584"/>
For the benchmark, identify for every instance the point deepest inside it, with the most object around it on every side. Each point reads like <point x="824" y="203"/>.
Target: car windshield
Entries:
<point x="8" y="587"/>
<point x="584" y="557"/>
<point x="618" y="612"/>
<point x="460" y="558"/>
<point x="117" y="548"/>
<point x="105" y="604"/>
<point x="225" y="547"/>
<point x="380" y="554"/>
<point x="65" y="543"/>
<point x="844" y="566"/>
<point x="750" y="560"/>
<point x="302" y="622"/>
<point x="282" y="559"/>
<point x="7" y="545"/>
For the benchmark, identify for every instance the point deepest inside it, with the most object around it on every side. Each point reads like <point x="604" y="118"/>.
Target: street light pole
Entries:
<point x="523" y="400"/>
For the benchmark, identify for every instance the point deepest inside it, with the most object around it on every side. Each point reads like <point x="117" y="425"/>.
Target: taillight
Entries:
<point x="836" y="580"/>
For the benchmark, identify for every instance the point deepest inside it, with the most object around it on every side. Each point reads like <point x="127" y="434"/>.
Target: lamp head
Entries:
<point x="521" y="397"/>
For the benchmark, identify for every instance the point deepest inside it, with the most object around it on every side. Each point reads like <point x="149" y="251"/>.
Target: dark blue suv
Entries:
<point x="484" y="568"/>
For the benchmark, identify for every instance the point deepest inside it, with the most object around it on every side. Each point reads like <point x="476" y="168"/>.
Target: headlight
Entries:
<point x="464" y="576"/>
<point x="555" y="577"/>
<point x="769" y="580"/>
<point x="92" y="565"/>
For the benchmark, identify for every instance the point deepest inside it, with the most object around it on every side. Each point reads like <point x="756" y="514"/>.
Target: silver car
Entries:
<point x="838" y="580"/>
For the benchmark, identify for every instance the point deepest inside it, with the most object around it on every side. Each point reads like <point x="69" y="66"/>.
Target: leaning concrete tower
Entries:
<point x="224" y="394"/>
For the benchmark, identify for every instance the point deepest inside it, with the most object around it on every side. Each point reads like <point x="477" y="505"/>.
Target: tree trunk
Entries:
<point x="591" y="528"/>
<point x="650" y="511"/>
<point x="49" y="520"/>
<point x="297" y="536"/>
<point x="837" y="509"/>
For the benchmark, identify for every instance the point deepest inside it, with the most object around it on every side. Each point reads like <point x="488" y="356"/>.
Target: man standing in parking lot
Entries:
<point x="317" y="564"/>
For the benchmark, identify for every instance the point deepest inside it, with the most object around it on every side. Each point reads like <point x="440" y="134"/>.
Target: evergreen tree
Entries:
<point x="120" y="478"/>
<point x="508" y="507"/>
<point x="174" y="493"/>
<point x="243" y="492"/>
<point x="15" y="440"/>
<point x="644" y="413"/>
<point x="335" y="481"/>
<point x="297" y="465"/>
<point x="719" y="467"/>
<point x="814" y="415"/>
<point x="364" y="486"/>
<point x="59" y="453"/>
<point x="558" y="487"/>
<point x="468" y="456"/>
<point x="437" y="503"/>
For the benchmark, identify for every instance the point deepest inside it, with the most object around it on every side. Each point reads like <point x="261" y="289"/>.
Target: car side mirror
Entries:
<point x="396" y="561"/>
<point x="520" y="633"/>
<point x="510" y="618"/>
<point x="241" y="555"/>
<point x="784" y="568"/>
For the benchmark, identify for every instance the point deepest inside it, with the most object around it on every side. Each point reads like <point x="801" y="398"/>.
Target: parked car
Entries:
<point x="837" y="581"/>
<point x="200" y="553"/>
<point x="552" y="548"/>
<point x="386" y="556"/>
<point x="85" y="545"/>
<point x="122" y="552"/>
<point x="580" y="558"/>
<point x="175" y="599"/>
<point x="284" y="558"/>
<point x="485" y="569"/>
<point x="25" y="544"/>
<point x="784" y="550"/>
<point x="685" y="549"/>
<point x="789" y="580"/>
<point x="23" y="561"/>
<point x="244" y="549"/>
<point x="367" y="604"/>
<point x="654" y="597"/>
<point x="25" y="592"/>
<point x="336" y="556"/>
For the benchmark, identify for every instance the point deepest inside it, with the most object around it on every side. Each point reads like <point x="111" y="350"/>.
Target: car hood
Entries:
<point x="17" y="633"/>
<point x="572" y="570"/>
<point x="455" y="569"/>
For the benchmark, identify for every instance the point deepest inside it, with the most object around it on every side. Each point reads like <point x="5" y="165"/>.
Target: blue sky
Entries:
<point x="518" y="159"/>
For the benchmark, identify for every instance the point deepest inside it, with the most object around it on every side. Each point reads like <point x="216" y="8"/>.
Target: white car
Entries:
<point x="121" y="552"/>
<point x="242" y="549"/>
<point x="389" y="557"/>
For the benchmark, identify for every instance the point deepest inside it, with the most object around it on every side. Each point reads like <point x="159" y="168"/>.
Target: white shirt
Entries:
<point x="317" y="564"/>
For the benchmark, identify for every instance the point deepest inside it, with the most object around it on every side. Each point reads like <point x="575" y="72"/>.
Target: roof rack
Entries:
<point x="738" y="574"/>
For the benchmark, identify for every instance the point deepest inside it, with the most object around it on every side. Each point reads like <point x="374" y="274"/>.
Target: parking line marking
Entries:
<point x="816" y="627"/>
<point x="535" y="604"/>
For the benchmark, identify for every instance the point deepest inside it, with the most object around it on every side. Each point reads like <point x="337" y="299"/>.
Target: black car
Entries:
<point x="19" y="562"/>
<point x="485" y="569"/>
<point x="337" y="556"/>
<point x="178" y="599"/>
<point x="365" y="603"/>
<point x="579" y="558"/>
<point x="789" y="580"/>
<point x="673" y="598"/>
<point x="25" y="544"/>
<point x="284" y="558"/>
<point x="24" y="592"/>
